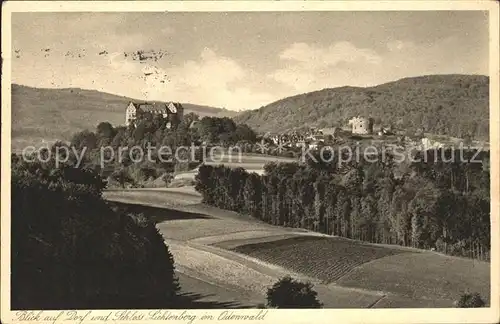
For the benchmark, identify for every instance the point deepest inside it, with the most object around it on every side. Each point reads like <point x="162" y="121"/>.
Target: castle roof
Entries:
<point x="174" y="107"/>
<point x="153" y="107"/>
<point x="176" y="104"/>
<point x="145" y="106"/>
<point x="330" y="130"/>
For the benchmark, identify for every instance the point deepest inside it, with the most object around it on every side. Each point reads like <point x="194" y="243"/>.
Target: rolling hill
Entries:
<point x="50" y="114"/>
<point x="442" y="104"/>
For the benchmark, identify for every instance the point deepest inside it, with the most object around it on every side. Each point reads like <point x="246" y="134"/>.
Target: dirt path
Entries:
<point x="198" y="292"/>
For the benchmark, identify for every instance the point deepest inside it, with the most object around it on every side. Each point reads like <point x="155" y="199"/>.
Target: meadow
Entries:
<point x="423" y="275"/>
<point x="164" y="197"/>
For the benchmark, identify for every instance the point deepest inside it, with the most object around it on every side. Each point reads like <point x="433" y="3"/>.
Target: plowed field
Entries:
<point x="325" y="258"/>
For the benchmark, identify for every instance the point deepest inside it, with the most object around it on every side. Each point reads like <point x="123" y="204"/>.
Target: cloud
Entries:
<point x="309" y="67"/>
<point x="212" y="80"/>
<point x="273" y="62"/>
<point x="329" y="56"/>
<point x="399" y="45"/>
<point x="167" y="30"/>
<point x="406" y="58"/>
<point x="212" y="71"/>
<point x="119" y="63"/>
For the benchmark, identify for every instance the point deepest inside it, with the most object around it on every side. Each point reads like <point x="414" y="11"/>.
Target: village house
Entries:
<point x="428" y="144"/>
<point x="173" y="112"/>
<point x="315" y="145"/>
<point x="331" y="131"/>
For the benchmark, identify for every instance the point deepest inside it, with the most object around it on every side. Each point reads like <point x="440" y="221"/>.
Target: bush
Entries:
<point x="289" y="293"/>
<point x="71" y="250"/>
<point x="470" y="300"/>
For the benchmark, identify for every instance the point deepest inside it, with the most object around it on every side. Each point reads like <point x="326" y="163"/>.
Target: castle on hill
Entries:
<point x="361" y="125"/>
<point x="172" y="111"/>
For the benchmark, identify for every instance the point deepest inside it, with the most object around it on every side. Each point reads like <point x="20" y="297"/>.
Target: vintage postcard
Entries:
<point x="250" y="161"/>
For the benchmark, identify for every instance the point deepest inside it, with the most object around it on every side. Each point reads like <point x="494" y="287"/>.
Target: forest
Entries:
<point x="452" y="105"/>
<point x="438" y="205"/>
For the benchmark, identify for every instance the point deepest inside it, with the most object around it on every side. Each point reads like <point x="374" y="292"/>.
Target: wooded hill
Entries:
<point x="453" y="105"/>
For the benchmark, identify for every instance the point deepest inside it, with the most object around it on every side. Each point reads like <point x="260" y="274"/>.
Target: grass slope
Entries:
<point x="52" y="114"/>
<point x="248" y="161"/>
<point x="157" y="198"/>
<point x="422" y="276"/>
<point x="441" y="104"/>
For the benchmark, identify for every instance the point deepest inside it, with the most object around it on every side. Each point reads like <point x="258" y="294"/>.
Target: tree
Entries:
<point x="330" y="203"/>
<point x="140" y="130"/>
<point x="399" y="219"/>
<point x="84" y="140"/>
<point x="470" y="300"/>
<point x="368" y="218"/>
<point x="252" y="194"/>
<point x="424" y="210"/>
<point x="122" y="176"/>
<point x="289" y="293"/>
<point x="244" y="133"/>
<point x="120" y="137"/>
<point x="385" y="190"/>
<point x="342" y="213"/>
<point x="189" y="118"/>
<point x="320" y="205"/>
<point x="204" y="183"/>
<point x="105" y="130"/>
<point x="209" y="129"/>
<point x="236" y="183"/>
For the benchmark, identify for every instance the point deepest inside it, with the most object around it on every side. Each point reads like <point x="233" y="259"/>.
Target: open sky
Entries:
<point x="242" y="60"/>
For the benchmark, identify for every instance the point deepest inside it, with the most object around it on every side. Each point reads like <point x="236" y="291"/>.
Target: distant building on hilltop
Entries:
<point x="173" y="112"/>
<point x="361" y="125"/>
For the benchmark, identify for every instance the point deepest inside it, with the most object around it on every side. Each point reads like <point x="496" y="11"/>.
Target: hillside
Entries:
<point x="50" y="114"/>
<point x="441" y="104"/>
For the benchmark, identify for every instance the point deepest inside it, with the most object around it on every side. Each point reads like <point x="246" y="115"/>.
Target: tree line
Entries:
<point x="431" y="205"/>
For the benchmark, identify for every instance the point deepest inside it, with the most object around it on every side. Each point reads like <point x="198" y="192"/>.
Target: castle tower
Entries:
<point x="361" y="125"/>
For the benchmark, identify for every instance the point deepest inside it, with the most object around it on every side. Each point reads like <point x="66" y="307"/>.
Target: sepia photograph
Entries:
<point x="160" y="159"/>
